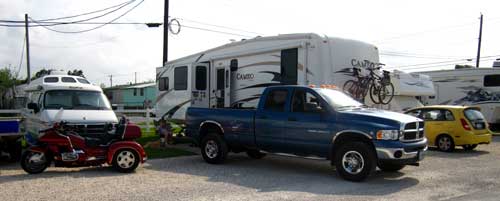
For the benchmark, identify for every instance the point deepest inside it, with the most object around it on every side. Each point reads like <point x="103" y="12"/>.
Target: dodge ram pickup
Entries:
<point x="311" y="122"/>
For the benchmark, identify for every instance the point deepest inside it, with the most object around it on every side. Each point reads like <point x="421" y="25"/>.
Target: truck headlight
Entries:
<point x="387" y="134"/>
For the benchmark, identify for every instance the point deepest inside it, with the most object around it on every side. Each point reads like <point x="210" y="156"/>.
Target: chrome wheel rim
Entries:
<point x="353" y="162"/>
<point x="444" y="143"/>
<point x="125" y="159"/>
<point x="211" y="149"/>
<point x="35" y="161"/>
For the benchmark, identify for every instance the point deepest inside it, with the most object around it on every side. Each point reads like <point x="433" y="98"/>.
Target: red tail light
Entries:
<point x="465" y="124"/>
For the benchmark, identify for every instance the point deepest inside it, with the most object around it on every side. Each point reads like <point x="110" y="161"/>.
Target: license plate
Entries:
<point x="420" y="155"/>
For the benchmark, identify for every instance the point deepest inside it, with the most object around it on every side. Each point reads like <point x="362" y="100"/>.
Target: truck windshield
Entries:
<point x="76" y="100"/>
<point x="338" y="99"/>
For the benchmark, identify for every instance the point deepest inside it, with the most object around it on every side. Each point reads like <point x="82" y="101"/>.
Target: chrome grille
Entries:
<point x="89" y="129"/>
<point x="413" y="131"/>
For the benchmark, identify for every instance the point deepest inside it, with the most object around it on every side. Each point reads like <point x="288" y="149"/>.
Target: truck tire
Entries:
<point x="213" y="148"/>
<point x="389" y="167"/>
<point x="15" y="150"/>
<point x="255" y="154"/>
<point x="354" y="161"/>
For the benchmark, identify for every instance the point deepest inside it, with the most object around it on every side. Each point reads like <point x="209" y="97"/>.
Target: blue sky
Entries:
<point x="406" y="32"/>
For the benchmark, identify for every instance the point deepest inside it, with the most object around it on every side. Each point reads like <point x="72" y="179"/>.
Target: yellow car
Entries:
<point x="448" y="126"/>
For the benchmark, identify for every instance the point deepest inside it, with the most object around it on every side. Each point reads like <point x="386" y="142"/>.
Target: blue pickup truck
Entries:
<point x="311" y="122"/>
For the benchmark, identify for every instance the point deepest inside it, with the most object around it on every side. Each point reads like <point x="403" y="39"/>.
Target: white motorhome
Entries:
<point x="235" y="74"/>
<point x="468" y="86"/>
<point x="83" y="105"/>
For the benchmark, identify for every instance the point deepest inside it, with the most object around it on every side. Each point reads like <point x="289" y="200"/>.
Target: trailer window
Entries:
<point x="180" y="78"/>
<point x="289" y="63"/>
<point x="491" y="80"/>
<point x="51" y="79"/>
<point x="68" y="79"/>
<point x="201" y="78"/>
<point x="163" y="84"/>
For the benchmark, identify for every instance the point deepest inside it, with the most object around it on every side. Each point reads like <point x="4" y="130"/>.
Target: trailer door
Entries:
<point x="200" y="92"/>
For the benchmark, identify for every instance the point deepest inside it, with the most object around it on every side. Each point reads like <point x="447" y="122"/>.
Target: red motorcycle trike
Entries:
<point x="63" y="145"/>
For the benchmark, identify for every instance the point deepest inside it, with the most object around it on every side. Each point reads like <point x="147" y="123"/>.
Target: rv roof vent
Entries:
<point x="463" y="66"/>
<point x="496" y="63"/>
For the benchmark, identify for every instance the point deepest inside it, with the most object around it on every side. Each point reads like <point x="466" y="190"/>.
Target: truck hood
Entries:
<point x="382" y="114"/>
<point x="80" y="116"/>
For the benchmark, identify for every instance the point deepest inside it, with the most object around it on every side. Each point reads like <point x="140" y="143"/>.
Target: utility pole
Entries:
<point x="165" y="34"/>
<point x="135" y="75"/>
<point x="27" y="48"/>
<point x="111" y="80"/>
<point x="479" y="41"/>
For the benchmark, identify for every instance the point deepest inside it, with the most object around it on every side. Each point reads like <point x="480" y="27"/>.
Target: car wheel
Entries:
<point x="388" y="167"/>
<point x="34" y="162"/>
<point x="214" y="148"/>
<point x="126" y="160"/>
<point x="445" y="143"/>
<point x="469" y="147"/>
<point x="354" y="161"/>
<point x="255" y="154"/>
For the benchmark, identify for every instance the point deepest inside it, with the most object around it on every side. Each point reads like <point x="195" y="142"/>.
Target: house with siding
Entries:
<point x="132" y="96"/>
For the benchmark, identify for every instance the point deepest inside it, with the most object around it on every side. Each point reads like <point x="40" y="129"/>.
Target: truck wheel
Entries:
<point x="469" y="147"/>
<point x="354" y="161"/>
<point x="125" y="160"/>
<point x="388" y="167"/>
<point x="255" y="154"/>
<point x="214" y="148"/>
<point x="445" y="143"/>
<point x="34" y="162"/>
<point x="15" y="151"/>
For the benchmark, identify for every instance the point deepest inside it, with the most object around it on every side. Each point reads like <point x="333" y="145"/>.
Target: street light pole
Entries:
<point x="479" y="41"/>
<point x="165" y="34"/>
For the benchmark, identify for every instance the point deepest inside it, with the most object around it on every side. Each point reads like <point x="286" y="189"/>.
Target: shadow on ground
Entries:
<point x="275" y="173"/>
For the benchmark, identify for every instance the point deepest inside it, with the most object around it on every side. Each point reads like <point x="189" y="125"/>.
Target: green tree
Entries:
<point x="7" y="88"/>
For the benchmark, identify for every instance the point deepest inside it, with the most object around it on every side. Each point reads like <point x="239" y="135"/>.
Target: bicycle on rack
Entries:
<point x="380" y="87"/>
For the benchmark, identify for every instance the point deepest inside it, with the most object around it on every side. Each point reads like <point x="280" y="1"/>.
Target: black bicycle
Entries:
<point x="380" y="87"/>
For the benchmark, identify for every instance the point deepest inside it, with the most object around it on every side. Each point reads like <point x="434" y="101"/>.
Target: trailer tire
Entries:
<point x="354" y="161"/>
<point x="213" y="148"/>
<point x="126" y="160"/>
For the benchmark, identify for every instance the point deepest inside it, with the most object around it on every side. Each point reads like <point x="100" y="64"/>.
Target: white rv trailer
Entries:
<point x="235" y="74"/>
<point x="468" y="86"/>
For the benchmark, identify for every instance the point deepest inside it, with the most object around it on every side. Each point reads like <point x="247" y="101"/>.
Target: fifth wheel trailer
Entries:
<point x="234" y="75"/>
<point x="468" y="86"/>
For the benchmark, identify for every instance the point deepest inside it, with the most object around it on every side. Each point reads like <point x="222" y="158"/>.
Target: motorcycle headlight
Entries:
<point x="387" y="134"/>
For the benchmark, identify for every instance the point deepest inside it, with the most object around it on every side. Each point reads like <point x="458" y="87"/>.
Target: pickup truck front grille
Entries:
<point x="413" y="131"/>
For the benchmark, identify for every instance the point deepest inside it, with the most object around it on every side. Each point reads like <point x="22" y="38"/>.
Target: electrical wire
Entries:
<point x="441" y="65"/>
<point x="219" y="26"/>
<point x="423" y="65"/>
<point x="21" y="60"/>
<point x="91" y="29"/>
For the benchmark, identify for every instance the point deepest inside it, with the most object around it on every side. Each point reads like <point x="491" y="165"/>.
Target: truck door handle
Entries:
<point x="292" y="119"/>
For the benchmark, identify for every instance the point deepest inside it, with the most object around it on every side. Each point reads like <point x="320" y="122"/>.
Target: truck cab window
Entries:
<point x="276" y="100"/>
<point x="303" y="101"/>
<point x="181" y="78"/>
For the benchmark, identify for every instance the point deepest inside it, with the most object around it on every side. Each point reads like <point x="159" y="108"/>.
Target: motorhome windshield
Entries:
<point x="76" y="100"/>
<point x="338" y="99"/>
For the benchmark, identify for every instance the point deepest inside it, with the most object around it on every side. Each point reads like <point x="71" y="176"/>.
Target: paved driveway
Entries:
<point x="442" y="176"/>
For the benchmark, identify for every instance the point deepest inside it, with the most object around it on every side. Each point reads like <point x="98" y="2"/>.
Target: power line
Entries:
<point x="432" y="63"/>
<point x="88" y="13"/>
<point x="45" y="23"/>
<point x="219" y="26"/>
<point x="94" y="28"/>
<point x="21" y="60"/>
<point x="433" y="66"/>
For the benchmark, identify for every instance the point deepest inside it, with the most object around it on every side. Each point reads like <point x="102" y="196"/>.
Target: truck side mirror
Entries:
<point x="34" y="107"/>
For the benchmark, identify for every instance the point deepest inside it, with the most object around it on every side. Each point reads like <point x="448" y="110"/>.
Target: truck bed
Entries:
<point x="237" y="124"/>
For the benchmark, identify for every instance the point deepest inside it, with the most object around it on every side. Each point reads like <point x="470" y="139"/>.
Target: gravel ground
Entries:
<point x="442" y="176"/>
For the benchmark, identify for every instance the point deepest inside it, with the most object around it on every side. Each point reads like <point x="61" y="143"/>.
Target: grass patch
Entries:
<point x="154" y="152"/>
